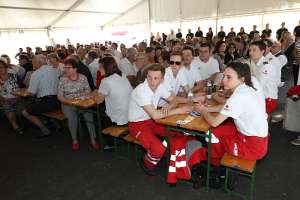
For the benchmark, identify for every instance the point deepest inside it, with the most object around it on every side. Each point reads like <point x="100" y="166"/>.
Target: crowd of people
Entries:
<point x="140" y="84"/>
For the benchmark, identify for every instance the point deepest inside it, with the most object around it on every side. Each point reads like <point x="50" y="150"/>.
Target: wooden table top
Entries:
<point x="82" y="103"/>
<point x="197" y="124"/>
<point x="21" y="93"/>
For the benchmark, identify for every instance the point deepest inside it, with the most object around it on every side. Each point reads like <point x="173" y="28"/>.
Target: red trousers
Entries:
<point x="145" y="132"/>
<point x="271" y="105"/>
<point x="237" y="144"/>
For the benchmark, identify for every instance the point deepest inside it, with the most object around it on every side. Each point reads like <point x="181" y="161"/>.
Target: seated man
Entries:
<point x="143" y="111"/>
<point x="43" y="84"/>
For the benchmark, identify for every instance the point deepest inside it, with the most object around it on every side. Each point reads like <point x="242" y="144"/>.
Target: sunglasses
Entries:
<point x="173" y="62"/>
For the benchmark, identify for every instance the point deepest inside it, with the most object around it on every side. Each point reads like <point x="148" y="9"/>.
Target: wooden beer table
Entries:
<point x="22" y="92"/>
<point x="86" y="105"/>
<point x="197" y="127"/>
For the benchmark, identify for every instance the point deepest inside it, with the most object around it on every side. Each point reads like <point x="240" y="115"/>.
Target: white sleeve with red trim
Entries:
<point x="233" y="107"/>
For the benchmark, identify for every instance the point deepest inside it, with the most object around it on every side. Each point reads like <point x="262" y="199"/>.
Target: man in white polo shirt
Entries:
<point x="143" y="111"/>
<point x="205" y="63"/>
<point x="175" y="79"/>
<point x="127" y="65"/>
<point x="191" y="72"/>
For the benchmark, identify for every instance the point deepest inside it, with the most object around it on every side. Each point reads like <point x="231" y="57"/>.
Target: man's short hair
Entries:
<point x="156" y="67"/>
<point x="131" y="51"/>
<point x="260" y="44"/>
<point x="149" y="50"/>
<point x="205" y="44"/>
<point x="92" y="54"/>
<point x="24" y="56"/>
<point x="297" y="31"/>
<point x="188" y="48"/>
<point x="268" y="42"/>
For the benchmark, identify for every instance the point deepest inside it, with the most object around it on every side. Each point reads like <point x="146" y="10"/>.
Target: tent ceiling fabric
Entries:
<point x="26" y="14"/>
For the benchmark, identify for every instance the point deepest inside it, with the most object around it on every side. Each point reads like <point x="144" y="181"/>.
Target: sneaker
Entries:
<point x="19" y="131"/>
<point x="296" y="141"/>
<point x="109" y="147"/>
<point x="147" y="171"/>
<point x="75" y="146"/>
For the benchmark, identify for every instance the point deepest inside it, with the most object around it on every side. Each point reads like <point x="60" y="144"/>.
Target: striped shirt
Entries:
<point x="44" y="81"/>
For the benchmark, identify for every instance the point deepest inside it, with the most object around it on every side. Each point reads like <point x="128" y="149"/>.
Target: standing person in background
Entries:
<point x="190" y="33"/>
<point x="279" y="31"/>
<point x="199" y="33"/>
<point x="253" y="32"/>
<point x="267" y="31"/>
<point x="179" y="34"/>
<point x="209" y="34"/>
<point x="221" y="33"/>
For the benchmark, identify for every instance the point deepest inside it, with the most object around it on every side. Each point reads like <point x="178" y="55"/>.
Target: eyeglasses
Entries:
<point x="175" y="62"/>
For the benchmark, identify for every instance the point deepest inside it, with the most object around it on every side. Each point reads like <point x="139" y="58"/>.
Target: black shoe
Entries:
<point x="42" y="136"/>
<point x="19" y="131"/>
<point x="198" y="175"/>
<point x="147" y="171"/>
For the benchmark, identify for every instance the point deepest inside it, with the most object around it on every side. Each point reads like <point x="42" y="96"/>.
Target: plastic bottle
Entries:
<point x="209" y="89"/>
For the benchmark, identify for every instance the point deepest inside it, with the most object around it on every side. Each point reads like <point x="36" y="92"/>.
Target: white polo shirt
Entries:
<point x="273" y="60"/>
<point x="268" y="78"/>
<point x="141" y="96"/>
<point x="248" y="113"/>
<point x="192" y="75"/>
<point x="127" y="68"/>
<point x="117" y="91"/>
<point x="206" y="69"/>
<point x="93" y="67"/>
<point x="174" y="84"/>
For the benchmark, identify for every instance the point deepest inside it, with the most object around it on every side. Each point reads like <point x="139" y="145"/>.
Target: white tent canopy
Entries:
<point x="34" y="22"/>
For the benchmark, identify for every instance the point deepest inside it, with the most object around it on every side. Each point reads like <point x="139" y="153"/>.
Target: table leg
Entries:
<point x="208" y="160"/>
<point x="99" y="128"/>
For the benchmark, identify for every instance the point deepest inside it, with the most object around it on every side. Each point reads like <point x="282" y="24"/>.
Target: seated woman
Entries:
<point x="9" y="102"/>
<point x="74" y="85"/>
<point x="241" y="126"/>
<point x="115" y="89"/>
<point x="231" y="53"/>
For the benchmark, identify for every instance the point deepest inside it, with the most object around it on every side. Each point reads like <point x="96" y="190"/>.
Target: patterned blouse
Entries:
<point x="73" y="89"/>
<point x="8" y="86"/>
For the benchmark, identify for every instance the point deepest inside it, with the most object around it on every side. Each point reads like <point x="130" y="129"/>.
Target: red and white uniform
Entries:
<point x="206" y="69"/>
<point x="185" y="152"/>
<point x="267" y="75"/>
<point x="246" y="135"/>
<point x="273" y="60"/>
<point x="142" y="127"/>
<point x="175" y="84"/>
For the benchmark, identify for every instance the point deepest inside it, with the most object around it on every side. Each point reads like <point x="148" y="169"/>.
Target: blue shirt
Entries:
<point x="44" y="81"/>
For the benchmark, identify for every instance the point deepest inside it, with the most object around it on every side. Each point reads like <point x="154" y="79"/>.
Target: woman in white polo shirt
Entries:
<point x="241" y="127"/>
<point x="115" y="89"/>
